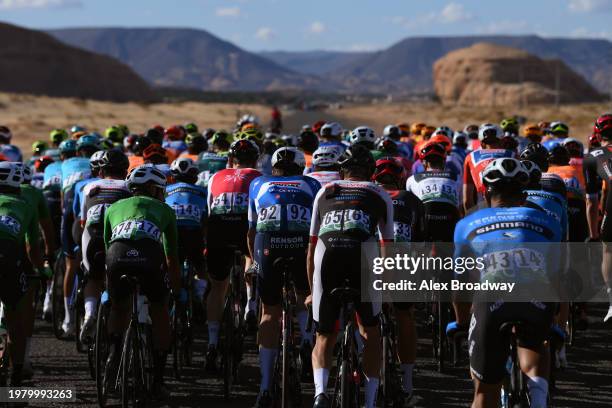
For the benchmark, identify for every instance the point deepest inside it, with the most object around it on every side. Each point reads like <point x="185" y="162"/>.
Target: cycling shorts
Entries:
<point x="54" y="203"/>
<point x="12" y="275"/>
<point x="440" y="221"/>
<point x="332" y="268"/>
<point x="69" y="246"/>
<point x="577" y="220"/>
<point x="606" y="223"/>
<point x="268" y="248"/>
<point x="142" y="258"/>
<point x="191" y="245"/>
<point x="93" y="251"/>
<point x="226" y="233"/>
<point x="489" y="349"/>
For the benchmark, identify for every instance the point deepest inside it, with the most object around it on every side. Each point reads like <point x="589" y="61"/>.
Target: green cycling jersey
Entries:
<point x="36" y="198"/>
<point x="141" y="217"/>
<point x="18" y="219"/>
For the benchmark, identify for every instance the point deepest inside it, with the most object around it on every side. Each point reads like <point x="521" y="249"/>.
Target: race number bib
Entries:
<point x="55" y="180"/>
<point x="515" y="263"/>
<point x="298" y="217"/>
<point x="438" y="191"/>
<point x="343" y="220"/>
<point x="230" y="203"/>
<point x="95" y="213"/>
<point x="269" y="218"/>
<point x="73" y="178"/>
<point x="187" y="212"/>
<point x="402" y="232"/>
<point x="10" y="224"/>
<point x="134" y="229"/>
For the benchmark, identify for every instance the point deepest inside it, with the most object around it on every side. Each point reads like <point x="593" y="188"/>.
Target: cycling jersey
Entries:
<point x="73" y="170"/>
<point x="139" y="218"/>
<point x="476" y="162"/>
<point x="188" y="202"/>
<point x="11" y="152"/>
<point x="178" y="146"/>
<point x="337" y="143"/>
<point x="452" y="164"/>
<point x="573" y="177"/>
<point x="52" y="177"/>
<point x="554" y="204"/>
<point x="187" y="155"/>
<point x="78" y="195"/>
<point x="135" y="161"/>
<point x="345" y="215"/>
<point x="597" y="168"/>
<point x="228" y="201"/>
<point x="36" y="199"/>
<point x="408" y="217"/>
<point x="264" y="164"/>
<point x="324" y="177"/>
<point x="436" y="186"/>
<point x="209" y="163"/>
<point x="97" y="197"/>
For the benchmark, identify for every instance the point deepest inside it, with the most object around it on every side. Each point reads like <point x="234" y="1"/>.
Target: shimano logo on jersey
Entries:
<point x="512" y="225"/>
<point x="10" y="223"/>
<point x="285" y="183"/>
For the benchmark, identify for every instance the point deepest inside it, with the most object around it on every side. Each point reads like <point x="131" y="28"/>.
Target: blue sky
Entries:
<point x="324" y="24"/>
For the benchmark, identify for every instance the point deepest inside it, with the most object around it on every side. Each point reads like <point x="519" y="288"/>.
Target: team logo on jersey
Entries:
<point x="285" y="183"/>
<point x="132" y="253"/>
<point x="234" y="177"/>
<point x="508" y="225"/>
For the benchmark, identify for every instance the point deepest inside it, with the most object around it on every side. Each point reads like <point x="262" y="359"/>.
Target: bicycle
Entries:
<point x="135" y="364"/>
<point x="516" y="395"/>
<point x="101" y="349"/>
<point x="77" y="300"/>
<point x="287" y="369"/>
<point x="390" y="385"/>
<point x="57" y="296"/>
<point x="182" y="323"/>
<point x="348" y="376"/>
<point x="232" y="325"/>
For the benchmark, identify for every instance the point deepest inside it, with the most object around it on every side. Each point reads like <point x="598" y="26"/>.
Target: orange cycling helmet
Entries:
<point x="443" y="140"/>
<point x="416" y="128"/>
<point x="533" y="130"/>
<point x="431" y="149"/>
<point x="175" y="133"/>
<point x="427" y="131"/>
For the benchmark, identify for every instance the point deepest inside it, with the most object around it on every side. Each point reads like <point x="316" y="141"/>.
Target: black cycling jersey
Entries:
<point x="597" y="166"/>
<point x="408" y="217"/>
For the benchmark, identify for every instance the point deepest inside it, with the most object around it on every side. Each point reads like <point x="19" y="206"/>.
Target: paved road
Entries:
<point x="587" y="382"/>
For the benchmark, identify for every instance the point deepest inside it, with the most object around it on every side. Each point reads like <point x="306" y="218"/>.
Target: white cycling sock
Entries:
<point x="91" y="306"/>
<point x="371" y="389"/>
<point x="320" y="376"/>
<point x="407" y="377"/>
<point x="68" y="314"/>
<point x="538" y="391"/>
<point x="213" y="333"/>
<point x="302" y="318"/>
<point x="267" y="358"/>
<point x="28" y="348"/>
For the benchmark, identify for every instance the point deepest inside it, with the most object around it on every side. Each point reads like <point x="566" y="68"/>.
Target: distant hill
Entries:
<point x="36" y="63"/>
<point x="407" y="65"/>
<point x="187" y="58"/>
<point x="313" y="62"/>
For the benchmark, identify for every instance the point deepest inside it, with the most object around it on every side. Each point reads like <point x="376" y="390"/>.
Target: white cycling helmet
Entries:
<point x="184" y="166"/>
<point x="569" y="140"/>
<point x="326" y="156"/>
<point x="96" y="158"/>
<point x="392" y="131"/>
<point x="11" y="174"/>
<point x="288" y="155"/>
<point x="505" y="172"/>
<point x="489" y="130"/>
<point x="26" y="172"/>
<point x="146" y="174"/>
<point x="362" y="134"/>
<point x="290" y="140"/>
<point x="331" y="129"/>
<point x="445" y="130"/>
<point x="458" y="135"/>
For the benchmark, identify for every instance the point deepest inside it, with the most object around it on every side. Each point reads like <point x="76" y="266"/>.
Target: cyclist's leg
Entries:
<point x="219" y="260"/>
<point x="372" y="356"/>
<point x="300" y="280"/>
<point x="28" y="311"/>
<point x="93" y="270"/>
<point x="406" y="341"/>
<point x="119" y="295"/>
<point x="68" y="246"/>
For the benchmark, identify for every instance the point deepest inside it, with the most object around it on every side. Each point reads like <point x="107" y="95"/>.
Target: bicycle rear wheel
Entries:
<point x="228" y="349"/>
<point x="79" y="319"/>
<point x="101" y="350"/>
<point x="285" y="391"/>
<point x="177" y="344"/>
<point x="132" y="373"/>
<point x="57" y="297"/>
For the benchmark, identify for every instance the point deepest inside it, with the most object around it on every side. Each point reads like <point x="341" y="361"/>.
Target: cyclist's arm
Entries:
<point x="314" y="236"/>
<point x="171" y="251"/>
<point x="592" y="188"/>
<point x="252" y="218"/>
<point x="468" y="186"/>
<point x="32" y="243"/>
<point x="385" y="225"/>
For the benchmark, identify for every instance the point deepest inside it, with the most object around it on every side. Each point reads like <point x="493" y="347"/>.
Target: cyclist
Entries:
<point x="140" y="144"/>
<point x="346" y="214"/>
<point x="331" y="134"/>
<point x="409" y="226"/>
<point x="94" y="166"/>
<point x="308" y="142"/>
<point x="74" y="169"/>
<point x="228" y="197"/>
<point x="174" y="142"/>
<point x="11" y="152"/>
<point x="394" y="133"/>
<point x="489" y="136"/>
<point x="488" y="233"/>
<point x="196" y="144"/>
<point x="211" y="162"/>
<point x="39" y="166"/>
<point x="280" y="209"/>
<point x="472" y="132"/>
<point x="115" y="134"/>
<point x="460" y="146"/>
<point x="133" y="232"/>
<point x="19" y="236"/>
<point x="325" y="164"/>
<point x="57" y="136"/>
<point x="97" y="196"/>
<point x="39" y="148"/>
<point x="596" y="172"/>
<point x="533" y="133"/>
<point x="364" y="136"/>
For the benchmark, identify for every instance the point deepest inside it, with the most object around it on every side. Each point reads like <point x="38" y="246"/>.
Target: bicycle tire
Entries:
<point x="79" y="320"/>
<point x="228" y="350"/>
<point x="101" y="350"/>
<point x="345" y="384"/>
<point x="285" y="393"/>
<point x="132" y="375"/>
<point x="57" y="297"/>
<point x="176" y="344"/>
<point x="441" y="337"/>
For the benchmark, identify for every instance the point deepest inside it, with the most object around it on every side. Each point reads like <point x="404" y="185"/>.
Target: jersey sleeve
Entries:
<point x="209" y="196"/>
<point x="315" y="222"/>
<point x="385" y="225"/>
<point x="76" y="201"/>
<point x="410" y="184"/>
<point x="82" y="212"/>
<point x="170" y="234"/>
<point x="467" y="174"/>
<point x="252" y="215"/>
<point x="591" y="179"/>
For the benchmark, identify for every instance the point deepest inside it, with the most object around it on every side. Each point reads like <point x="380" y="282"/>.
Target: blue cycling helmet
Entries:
<point x="68" y="146"/>
<point x="88" y="140"/>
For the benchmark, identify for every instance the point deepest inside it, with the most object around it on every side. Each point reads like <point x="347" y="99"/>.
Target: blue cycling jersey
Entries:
<point x="78" y="195"/>
<point x="11" y="152"/>
<point x="553" y="204"/>
<point x="188" y="202"/>
<point x="552" y="143"/>
<point x="509" y="239"/>
<point x="52" y="177"/>
<point x="282" y="204"/>
<point x="73" y="170"/>
<point x="405" y="150"/>
<point x="177" y="145"/>
<point x="334" y="143"/>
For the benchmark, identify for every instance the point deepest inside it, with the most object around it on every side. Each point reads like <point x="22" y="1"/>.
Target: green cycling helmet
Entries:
<point x="191" y="127"/>
<point x="57" y="136"/>
<point x="251" y="134"/>
<point x="559" y="128"/>
<point x="106" y="144"/>
<point x="38" y="147"/>
<point x="222" y="136"/>
<point x="115" y="134"/>
<point x="68" y="146"/>
<point x="509" y="125"/>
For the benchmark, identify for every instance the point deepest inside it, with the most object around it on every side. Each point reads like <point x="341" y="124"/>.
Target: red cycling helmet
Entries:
<point x="388" y="166"/>
<point x="159" y="128"/>
<point x="595" y="138"/>
<point x="431" y="148"/>
<point x="317" y="126"/>
<point x="42" y="162"/>
<point x="603" y="124"/>
<point x="174" y="133"/>
<point x="442" y="139"/>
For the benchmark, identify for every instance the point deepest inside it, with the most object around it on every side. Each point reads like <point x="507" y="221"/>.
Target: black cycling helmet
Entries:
<point x="535" y="174"/>
<point x="536" y="153"/>
<point x="553" y="183"/>
<point x="308" y="141"/>
<point x="559" y="156"/>
<point x="245" y="151"/>
<point x="141" y="143"/>
<point x="155" y="136"/>
<point x="197" y="142"/>
<point x="114" y="159"/>
<point x="357" y="157"/>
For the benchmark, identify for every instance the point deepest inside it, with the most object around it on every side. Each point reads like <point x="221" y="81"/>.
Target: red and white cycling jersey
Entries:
<point x="228" y="191"/>
<point x="325" y="177"/>
<point x="476" y="162"/>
